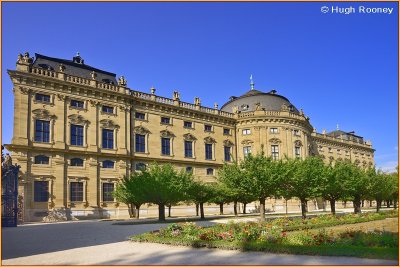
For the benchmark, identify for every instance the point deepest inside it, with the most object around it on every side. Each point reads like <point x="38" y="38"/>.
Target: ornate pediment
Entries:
<point x="189" y="137"/>
<point x="167" y="134"/>
<point x="209" y="140"/>
<point x="228" y="142"/>
<point x="106" y="123"/>
<point x="246" y="142"/>
<point x="43" y="114"/>
<point x="141" y="130"/>
<point x="77" y="119"/>
<point x="298" y="143"/>
<point x="274" y="141"/>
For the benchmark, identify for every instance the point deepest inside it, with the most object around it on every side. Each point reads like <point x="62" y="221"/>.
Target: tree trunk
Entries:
<point x="197" y="209"/>
<point x="235" y="208"/>
<point x="137" y="211"/>
<point x="262" y="209"/>
<point x="395" y="204"/>
<point x="303" y="208"/>
<point x="286" y="205"/>
<point x="378" y="205"/>
<point x="161" y="212"/>
<point x="201" y="210"/>
<point x="169" y="210"/>
<point x="362" y="203"/>
<point x="357" y="205"/>
<point x="333" y="207"/>
<point x="244" y="208"/>
<point x="370" y="203"/>
<point x="221" y="208"/>
<point x="388" y="203"/>
<point x="130" y="211"/>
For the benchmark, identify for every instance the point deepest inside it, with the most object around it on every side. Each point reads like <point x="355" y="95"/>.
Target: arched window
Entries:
<point x="77" y="162"/>
<point x="108" y="164"/>
<point x="41" y="159"/>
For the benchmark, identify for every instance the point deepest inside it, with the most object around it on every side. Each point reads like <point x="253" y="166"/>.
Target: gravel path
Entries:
<point x="101" y="243"/>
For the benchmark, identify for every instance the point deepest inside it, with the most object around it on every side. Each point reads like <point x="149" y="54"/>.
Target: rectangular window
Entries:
<point x="140" y="143"/>
<point x="108" y="138"/>
<point x="246" y="150"/>
<point x="76" y="135"/>
<point x="297" y="152"/>
<point x="42" y="131"/>
<point x="140" y="116"/>
<point x="188" y="149"/>
<point x="209" y="154"/>
<point x="296" y="132"/>
<point x="227" y="131"/>
<point x="76" y="191"/>
<point x="107" y="109"/>
<point x="274" y="130"/>
<point x="108" y="164"/>
<point x="41" y="159"/>
<point x="108" y="189"/>
<point x="77" y="104"/>
<point x="140" y="166"/>
<point x="189" y="169"/>
<point x="227" y="153"/>
<point x="165" y="120"/>
<point x="188" y="124"/>
<point x="246" y="131"/>
<point x="275" y="152"/>
<point x="41" y="189"/>
<point x="208" y="128"/>
<point x="42" y="98"/>
<point x="210" y="171"/>
<point x="165" y="146"/>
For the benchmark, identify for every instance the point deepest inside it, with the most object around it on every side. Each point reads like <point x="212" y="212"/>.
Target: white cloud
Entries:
<point x="389" y="166"/>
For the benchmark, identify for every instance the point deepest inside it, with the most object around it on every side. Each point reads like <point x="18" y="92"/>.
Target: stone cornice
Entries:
<point x="340" y="142"/>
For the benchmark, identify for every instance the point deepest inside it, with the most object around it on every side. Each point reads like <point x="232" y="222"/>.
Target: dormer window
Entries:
<point x="107" y="81"/>
<point x="244" y="107"/>
<point x="46" y="67"/>
<point x="77" y="59"/>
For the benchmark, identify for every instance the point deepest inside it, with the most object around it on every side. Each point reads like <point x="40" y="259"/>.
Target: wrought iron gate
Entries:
<point x="9" y="196"/>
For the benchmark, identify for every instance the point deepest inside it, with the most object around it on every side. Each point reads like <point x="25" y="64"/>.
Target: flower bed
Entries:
<point x="285" y="236"/>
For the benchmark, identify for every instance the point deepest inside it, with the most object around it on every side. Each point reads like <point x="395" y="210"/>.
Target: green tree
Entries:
<point x="302" y="179"/>
<point x="332" y="185"/>
<point x="201" y="193"/>
<point x="221" y="196"/>
<point x="231" y="175"/>
<point x="355" y="184"/>
<point x="262" y="177"/>
<point x="130" y="190"/>
<point x="166" y="185"/>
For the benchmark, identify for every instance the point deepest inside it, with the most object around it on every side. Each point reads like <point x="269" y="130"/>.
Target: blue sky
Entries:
<point x="341" y="69"/>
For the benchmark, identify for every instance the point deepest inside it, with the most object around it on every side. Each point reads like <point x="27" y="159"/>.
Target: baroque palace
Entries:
<point x="78" y="130"/>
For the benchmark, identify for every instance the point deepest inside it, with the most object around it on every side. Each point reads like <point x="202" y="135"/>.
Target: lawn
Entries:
<point x="284" y="235"/>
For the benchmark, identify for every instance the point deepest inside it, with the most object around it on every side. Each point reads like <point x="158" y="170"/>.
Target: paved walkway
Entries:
<point x="101" y="243"/>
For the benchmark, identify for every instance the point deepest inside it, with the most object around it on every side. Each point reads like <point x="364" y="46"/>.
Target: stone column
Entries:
<point x="60" y="128"/>
<point x="93" y="183"/>
<point x="59" y="184"/>
<point x="122" y="137"/>
<point x="22" y="111"/>
<point x="93" y="129"/>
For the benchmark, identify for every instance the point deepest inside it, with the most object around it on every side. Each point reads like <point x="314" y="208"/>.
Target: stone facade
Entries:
<point x="64" y="109"/>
